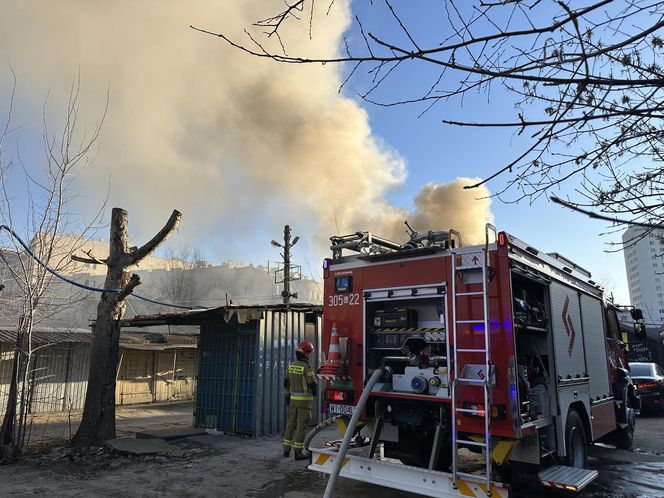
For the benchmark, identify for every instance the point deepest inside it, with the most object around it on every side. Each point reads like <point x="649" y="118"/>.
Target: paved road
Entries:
<point x="649" y="435"/>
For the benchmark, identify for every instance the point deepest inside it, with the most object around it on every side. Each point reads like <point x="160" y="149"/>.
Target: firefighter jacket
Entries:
<point x="300" y="384"/>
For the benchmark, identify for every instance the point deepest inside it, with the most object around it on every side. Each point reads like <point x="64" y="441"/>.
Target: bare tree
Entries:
<point x="178" y="283"/>
<point x="47" y="218"/>
<point x="98" y="421"/>
<point x="581" y="83"/>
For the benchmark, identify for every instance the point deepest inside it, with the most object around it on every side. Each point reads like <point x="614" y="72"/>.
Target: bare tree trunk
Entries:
<point x="11" y="434"/>
<point x="9" y="420"/>
<point x="98" y="422"/>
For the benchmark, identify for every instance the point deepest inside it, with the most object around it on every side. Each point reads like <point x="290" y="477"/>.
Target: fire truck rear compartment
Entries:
<point x="407" y="336"/>
<point x="401" y="338"/>
<point x="533" y="346"/>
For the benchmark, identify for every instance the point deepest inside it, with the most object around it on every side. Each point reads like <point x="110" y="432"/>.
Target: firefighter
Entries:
<point x="300" y="389"/>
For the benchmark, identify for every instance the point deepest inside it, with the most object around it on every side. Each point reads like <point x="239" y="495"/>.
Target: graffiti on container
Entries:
<point x="640" y="351"/>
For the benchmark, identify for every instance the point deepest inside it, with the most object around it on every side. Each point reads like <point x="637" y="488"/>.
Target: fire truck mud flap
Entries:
<point x="406" y="478"/>
<point x="567" y="478"/>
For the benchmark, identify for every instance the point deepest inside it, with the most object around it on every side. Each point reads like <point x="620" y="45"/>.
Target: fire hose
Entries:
<point x="350" y="430"/>
<point x="317" y="429"/>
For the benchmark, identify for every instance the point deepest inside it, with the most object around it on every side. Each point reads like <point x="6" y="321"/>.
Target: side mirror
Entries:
<point x="640" y="331"/>
<point x="636" y="313"/>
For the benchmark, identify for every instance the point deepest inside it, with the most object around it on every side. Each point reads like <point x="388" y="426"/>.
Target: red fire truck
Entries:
<point x="476" y="362"/>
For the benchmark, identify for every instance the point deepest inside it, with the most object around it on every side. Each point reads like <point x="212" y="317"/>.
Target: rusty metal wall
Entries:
<point x="134" y="383"/>
<point x="148" y="376"/>
<point x="279" y="333"/>
<point x="175" y="374"/>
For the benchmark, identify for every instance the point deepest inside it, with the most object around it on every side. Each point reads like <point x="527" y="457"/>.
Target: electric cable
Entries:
<point x="83" y="286"/>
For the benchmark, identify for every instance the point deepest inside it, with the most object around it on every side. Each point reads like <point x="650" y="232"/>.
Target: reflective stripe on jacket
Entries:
<point x="298" y="381"/>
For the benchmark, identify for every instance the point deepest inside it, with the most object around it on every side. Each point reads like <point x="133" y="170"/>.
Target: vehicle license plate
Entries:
<point x="341" y="409"/>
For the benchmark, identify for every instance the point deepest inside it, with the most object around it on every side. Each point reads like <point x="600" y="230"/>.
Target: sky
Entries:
<point x="243" y="146"/>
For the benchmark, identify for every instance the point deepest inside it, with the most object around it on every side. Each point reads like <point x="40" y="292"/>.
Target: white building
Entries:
<point x="644" y="261"/>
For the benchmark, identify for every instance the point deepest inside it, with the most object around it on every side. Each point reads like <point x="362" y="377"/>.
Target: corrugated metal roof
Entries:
<point x="83" y="336"/>
<point x="158" y="347"/>
<point x="243" y="313"/>
<point x="127" y="339"/>
<point x="48" y="335"/>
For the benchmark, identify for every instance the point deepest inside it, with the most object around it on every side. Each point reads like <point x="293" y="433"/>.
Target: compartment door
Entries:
<point x="567" y="332"/>
<point x="594" y="341"/>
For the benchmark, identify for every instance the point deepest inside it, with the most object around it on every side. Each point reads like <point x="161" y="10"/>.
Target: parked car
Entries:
<point x="649" y="380"/>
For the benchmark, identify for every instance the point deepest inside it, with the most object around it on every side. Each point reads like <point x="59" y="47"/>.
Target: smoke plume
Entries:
<point x="240" y="145"/>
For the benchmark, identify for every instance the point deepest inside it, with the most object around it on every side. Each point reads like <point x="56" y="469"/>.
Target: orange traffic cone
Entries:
<point x="334" y="353"/>
<point x="333" y="366"/>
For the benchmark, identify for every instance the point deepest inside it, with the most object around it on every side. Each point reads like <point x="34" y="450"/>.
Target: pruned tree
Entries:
<point x="31" y="295"/>
<point x="580" y="84"/>
<point x="98" y="420"/>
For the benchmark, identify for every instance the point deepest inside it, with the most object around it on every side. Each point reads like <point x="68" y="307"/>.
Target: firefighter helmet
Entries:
<point x="306" y="348"/>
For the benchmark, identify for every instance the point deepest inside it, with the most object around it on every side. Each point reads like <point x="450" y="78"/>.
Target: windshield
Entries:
<point x="640" y="369"/>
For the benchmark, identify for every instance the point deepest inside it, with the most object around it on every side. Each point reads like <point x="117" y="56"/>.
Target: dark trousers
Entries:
<point x="296" y="427"/>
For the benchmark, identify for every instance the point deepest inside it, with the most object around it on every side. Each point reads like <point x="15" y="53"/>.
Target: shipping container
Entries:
<point x="242" y="363"/>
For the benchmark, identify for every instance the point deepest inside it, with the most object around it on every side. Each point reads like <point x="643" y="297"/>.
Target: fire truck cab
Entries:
<point x="491" y="357"/>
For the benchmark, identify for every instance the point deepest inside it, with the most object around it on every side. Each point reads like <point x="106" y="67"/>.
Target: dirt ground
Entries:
<point x="54" y="427"/>
<point x="231" y="466"/>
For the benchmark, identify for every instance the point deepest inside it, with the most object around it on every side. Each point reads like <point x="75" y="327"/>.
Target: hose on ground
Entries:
<point x="350" y="430"/>
<point x="317" y="429"/>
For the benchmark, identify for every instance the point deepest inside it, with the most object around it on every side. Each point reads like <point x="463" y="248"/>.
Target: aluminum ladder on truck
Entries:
<point x="461" y="377"/>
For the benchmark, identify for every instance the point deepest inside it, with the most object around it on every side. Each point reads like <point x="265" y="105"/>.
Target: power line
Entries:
<point x="83" y="286"/>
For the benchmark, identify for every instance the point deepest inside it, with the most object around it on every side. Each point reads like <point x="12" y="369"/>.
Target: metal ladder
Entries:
<point x="484" y="384"/>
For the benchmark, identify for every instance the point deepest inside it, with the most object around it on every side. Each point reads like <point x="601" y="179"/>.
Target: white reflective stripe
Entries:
<point x="335" y="348"/>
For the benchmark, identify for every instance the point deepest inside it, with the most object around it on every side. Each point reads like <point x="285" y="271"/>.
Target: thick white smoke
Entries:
<point x="236" y="143"/>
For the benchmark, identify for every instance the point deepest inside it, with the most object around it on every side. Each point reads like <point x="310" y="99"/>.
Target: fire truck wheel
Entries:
<point x="575" y="441"/>
<point x="624" y="438"/>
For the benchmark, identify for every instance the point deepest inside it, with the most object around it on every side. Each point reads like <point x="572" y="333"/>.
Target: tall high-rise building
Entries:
<point x="644" y="261"/>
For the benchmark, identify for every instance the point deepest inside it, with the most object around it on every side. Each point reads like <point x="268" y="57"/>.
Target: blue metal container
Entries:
<point x="242" y="363"/>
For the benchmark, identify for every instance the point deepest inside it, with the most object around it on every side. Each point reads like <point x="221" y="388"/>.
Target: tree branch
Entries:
<point x="138" y="254"/>
<point x="89" y="260"/>
<point x="134" y="282"/>
<point x="598" y="216"/>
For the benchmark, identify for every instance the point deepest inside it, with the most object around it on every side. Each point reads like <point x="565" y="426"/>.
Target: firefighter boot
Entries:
<point x="301" y="455"/>
<point x="286" y="452"/>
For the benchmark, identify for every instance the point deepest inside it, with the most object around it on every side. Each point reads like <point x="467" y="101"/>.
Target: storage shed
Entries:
<point x="59" y="372"/>
<point x="243" y="355"/>
<point x="156" y="367"/>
